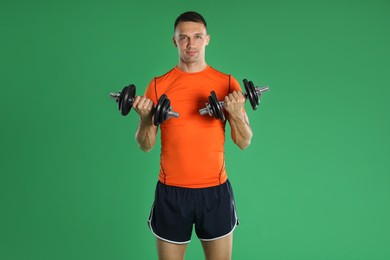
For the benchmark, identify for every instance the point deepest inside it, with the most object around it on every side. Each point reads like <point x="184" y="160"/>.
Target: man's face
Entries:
<point x="191" y="40"/>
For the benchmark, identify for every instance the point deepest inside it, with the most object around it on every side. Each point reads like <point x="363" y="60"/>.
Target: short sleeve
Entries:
<point x="234" y="85"/>
<point x="150" y="91"/>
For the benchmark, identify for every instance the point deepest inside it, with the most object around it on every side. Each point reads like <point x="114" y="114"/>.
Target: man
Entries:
<point x="193" y="189"/>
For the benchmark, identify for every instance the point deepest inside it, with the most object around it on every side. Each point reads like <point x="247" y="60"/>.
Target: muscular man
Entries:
<point x="193" y="189"/>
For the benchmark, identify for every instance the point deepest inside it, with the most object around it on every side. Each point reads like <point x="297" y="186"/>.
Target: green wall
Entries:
<point x="314" y="184"/>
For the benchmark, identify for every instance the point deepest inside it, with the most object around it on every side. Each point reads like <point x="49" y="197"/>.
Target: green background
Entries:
<point x="314" y="184"/>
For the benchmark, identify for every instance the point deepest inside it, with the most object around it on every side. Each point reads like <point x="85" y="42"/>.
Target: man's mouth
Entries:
<point x="191" y="53"/>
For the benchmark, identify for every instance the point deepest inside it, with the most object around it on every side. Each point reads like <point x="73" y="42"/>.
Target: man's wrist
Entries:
<point x="146" y="121"/>
<point x="238" y="118"/>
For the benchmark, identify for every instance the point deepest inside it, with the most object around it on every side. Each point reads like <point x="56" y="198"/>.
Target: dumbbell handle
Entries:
<point x="116" y="96"/>
<point x="172" y="114"/>
<point x="259" y="91"/>
<point x="207" y="109"/>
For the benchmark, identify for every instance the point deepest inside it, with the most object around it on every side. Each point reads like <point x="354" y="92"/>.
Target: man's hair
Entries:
<point x="190" y="17"/>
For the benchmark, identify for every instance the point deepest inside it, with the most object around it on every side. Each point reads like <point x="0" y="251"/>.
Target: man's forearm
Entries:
<point x="241" y="131"/>
<point x="146" y="135"/>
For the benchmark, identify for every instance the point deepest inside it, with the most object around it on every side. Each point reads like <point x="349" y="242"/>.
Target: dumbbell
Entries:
<point x="126" y="97"/>
<point x="214" y="107"/>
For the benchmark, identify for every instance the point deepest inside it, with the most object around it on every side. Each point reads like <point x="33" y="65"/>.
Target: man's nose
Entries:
<point x="189" y="42"/>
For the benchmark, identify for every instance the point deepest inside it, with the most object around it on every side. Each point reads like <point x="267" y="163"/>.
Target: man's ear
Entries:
<point x="174" y="41"/>
<point x="208" y="39"/>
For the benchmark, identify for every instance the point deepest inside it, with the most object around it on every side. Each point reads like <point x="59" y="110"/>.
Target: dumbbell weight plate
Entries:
<point x="251" y="93"/>
<point x="122" y="98"/>
<point x="160" y="110"/>
<point x="164" y="110"/>
<point x="126" y="99"/>
<point x="256" y="100"/>
<point x="213" y="101"/>
<point x="221" y="115"/>
<point x="216" y="107"/>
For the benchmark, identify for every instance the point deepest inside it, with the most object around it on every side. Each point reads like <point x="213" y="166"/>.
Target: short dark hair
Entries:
<point x="190" y="16"/>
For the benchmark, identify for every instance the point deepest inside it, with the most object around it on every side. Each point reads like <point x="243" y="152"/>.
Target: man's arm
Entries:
<point x="146" y="132"/>
<point x="241" y="131"/>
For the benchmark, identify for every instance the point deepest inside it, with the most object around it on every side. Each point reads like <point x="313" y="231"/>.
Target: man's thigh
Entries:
<point x="170" y="251"/>
<point x="219" y="249"/>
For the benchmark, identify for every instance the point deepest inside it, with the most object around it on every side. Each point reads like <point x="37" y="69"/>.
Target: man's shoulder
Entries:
<point x="165" y="75"/>
<point x="218" y="72"/>
<point x="222" y="75"/>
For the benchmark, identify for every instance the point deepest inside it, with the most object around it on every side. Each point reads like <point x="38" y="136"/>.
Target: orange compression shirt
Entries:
<point x="192" y="146"/>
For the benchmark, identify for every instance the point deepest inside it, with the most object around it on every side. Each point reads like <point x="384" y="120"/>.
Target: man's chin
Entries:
<point x="191" y="59"/>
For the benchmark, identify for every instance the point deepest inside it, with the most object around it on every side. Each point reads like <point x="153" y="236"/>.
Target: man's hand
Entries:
<point x="234" y="104"/>
<point x="144" y="107"/>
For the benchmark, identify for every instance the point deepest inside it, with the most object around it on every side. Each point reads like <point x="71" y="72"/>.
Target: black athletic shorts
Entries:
<point x="176" y="210"/>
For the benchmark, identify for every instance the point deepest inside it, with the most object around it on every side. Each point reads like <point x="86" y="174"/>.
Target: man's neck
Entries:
<point x="192" y="67"/>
